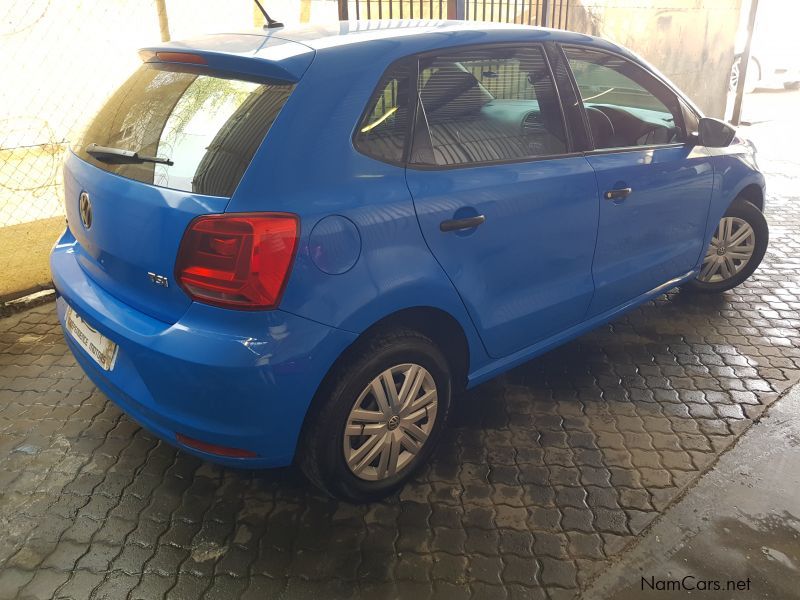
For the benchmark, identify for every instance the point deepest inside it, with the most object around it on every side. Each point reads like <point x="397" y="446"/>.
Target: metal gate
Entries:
<point x="546" y="13"/>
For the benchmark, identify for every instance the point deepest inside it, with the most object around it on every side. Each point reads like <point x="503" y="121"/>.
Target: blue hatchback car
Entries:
<point x="298" y="245"/>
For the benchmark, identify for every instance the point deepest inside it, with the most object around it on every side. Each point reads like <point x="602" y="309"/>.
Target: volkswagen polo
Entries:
<point x="296" y="246"/>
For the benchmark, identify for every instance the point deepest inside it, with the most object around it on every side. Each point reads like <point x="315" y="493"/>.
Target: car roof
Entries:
<point x="348" y="33"/>
<point x="292" y="48"/>
<point x="286" y="52"/>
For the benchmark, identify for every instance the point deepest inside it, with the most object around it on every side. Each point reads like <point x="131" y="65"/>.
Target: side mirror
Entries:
<point x="714" y="133"/>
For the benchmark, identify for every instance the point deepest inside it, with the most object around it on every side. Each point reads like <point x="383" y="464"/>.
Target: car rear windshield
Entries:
<point x="207" y="125"/>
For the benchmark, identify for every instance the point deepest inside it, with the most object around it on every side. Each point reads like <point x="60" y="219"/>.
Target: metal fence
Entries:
<point x="548" y="13"/>
<point x="552" y="13"/>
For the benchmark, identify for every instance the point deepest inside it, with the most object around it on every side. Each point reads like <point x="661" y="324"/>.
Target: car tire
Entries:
<point x="728" y="270"/>
<point x="753" y="75"/>
<point x="329" y="451"/>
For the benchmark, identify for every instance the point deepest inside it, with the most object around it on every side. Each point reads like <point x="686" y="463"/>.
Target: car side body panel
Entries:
<point x="562" y="337"/>
<point x="654" y="234"/>
<point x="337" y="179"/>
<point x="392" y="268"/>
<point x="526" y="272"/>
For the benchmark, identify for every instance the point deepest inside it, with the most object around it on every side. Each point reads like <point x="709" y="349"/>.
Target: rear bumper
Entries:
<point x="236" y="379"/>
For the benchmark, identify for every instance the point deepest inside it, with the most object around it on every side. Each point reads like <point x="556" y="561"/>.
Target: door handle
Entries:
<point x="456" y="224"/>
<point x="618" y="194"/>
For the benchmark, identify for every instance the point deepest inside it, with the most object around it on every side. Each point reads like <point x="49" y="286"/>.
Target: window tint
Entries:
<point x="493" y="104"/>
<point x="208" y="126"/>
<point x="626" y="106"/>
<point x="383" y="130"/>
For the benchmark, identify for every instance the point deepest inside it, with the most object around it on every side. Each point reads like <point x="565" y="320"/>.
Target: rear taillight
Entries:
<point x="237" y="260"/>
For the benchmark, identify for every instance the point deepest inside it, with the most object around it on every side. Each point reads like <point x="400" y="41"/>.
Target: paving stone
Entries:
<point x="560" y="573"/>
<point x="520" y="570"/>
<point x="486" y="569"/>
<point x="12" y="580"/>
<point x="116" y="585"/>
<point x="552" y="544"/>
<point x="258" y="588"/>
<point x="152" y="586"/>
<point x="514" y="541"/>
<point x="482" y="541"/>
<point x="65" y="556"/>
<point x="414" y="567"/>
<point x="490" y="592"/>
<point x="450" y="568"/>
<point x="585" y="545"/>
<point x="80" y="585"/>
<point x="580" y="519"/>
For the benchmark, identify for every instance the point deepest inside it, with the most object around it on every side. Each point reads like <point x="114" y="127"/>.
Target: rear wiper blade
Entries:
<point x="119" y="156"/>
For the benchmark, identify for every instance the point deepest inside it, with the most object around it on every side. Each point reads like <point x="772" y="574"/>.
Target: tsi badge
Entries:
<point x="158" y="279"/>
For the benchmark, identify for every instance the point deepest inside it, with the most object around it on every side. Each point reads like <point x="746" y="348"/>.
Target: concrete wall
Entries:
<point x="690" y="41"/>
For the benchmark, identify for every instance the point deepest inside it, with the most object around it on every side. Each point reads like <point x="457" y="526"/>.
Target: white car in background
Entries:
<point x="775" y="51"/>
<point x="765" y="71"/>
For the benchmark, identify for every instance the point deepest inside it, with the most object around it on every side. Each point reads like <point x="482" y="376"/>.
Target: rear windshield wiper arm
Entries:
<point x="120" y="156"/>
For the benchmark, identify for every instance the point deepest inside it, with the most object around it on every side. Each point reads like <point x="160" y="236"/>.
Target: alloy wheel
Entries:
<point x="390" y="422"/>
<point x="734" y="80"/>
<point x="730" y="250"/>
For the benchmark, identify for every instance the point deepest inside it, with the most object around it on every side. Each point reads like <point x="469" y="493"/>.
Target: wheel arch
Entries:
<point x="443" y="329"/>
<point x="753" y="193"/>
<point x="738" y="180"/>
<point x="758" y="64"/>
<point x="736" y="177"/>
<point x="439" y="325"/>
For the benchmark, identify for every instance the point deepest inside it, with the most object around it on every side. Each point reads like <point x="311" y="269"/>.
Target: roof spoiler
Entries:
<point x="250" y="55"/>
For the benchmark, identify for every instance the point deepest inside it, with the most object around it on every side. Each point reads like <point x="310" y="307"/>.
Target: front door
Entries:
<point x="507" y="211"/>
<point x="654" y="188"/>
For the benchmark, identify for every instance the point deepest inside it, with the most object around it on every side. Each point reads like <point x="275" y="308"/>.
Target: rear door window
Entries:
<point x="207" y="125"/>
<point x="490" y="105"/>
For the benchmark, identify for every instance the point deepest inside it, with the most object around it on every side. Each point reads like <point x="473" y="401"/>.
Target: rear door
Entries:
<point x="655" y="188"/>
<point x="506" y="208"/>
<point x="197" y="130"/>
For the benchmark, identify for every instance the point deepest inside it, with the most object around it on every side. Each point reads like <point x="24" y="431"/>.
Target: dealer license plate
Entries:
<point x="99" y="347"/>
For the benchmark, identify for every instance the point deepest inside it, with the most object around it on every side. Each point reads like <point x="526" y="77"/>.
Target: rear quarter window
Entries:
<point x="209" y="125"/>
<point x="383" y="129"/>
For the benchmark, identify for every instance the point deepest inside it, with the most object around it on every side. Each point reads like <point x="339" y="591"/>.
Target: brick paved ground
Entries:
<point x="546" y="474"/>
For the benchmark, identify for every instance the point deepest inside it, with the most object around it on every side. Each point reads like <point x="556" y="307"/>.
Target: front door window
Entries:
<point x="625" y="105"/>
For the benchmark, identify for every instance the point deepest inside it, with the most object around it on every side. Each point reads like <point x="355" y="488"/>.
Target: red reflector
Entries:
<point x="181" y="57"/>
<point x="214" y="449"/>
<point x="237" y="260"/>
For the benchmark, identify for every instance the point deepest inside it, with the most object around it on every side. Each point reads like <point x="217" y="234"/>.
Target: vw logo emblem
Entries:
<point x="85" y="207"/>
